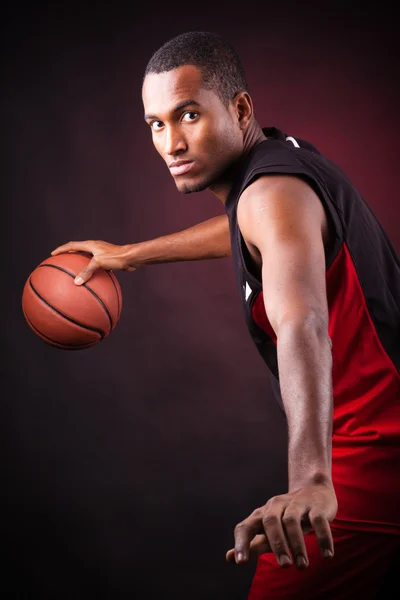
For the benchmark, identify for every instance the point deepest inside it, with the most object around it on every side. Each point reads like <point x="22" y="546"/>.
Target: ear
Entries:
<point x="243" y="107"/>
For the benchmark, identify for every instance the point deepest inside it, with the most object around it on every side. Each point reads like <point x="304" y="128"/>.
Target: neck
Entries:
<point x="252" y="137"/>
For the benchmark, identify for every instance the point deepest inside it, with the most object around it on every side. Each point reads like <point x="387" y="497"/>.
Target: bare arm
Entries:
<point x="207" y="240"/>
<point x="284" y="220"/>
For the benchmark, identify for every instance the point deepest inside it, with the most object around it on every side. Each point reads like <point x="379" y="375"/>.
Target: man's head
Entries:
<point x="197" y="105"/>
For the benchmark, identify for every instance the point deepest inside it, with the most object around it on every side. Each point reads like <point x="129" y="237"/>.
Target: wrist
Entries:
<point x="130" y="256"/>
<point x="320" y="476"/>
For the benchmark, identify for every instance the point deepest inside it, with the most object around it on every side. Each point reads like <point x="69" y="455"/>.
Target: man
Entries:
<point x="320" y="286"/>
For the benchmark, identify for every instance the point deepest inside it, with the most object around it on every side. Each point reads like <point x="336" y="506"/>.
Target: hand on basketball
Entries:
<point x="281" y="524"/>
<point x="106" y="256"/>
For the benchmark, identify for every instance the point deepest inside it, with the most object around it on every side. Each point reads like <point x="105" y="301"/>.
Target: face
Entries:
<point x="194" y="132"/>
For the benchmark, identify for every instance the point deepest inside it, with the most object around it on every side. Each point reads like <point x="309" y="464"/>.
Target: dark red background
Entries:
<point x="128" y="465"/>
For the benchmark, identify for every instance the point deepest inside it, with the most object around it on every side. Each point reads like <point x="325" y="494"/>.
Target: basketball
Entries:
<point x="66" y="315"/>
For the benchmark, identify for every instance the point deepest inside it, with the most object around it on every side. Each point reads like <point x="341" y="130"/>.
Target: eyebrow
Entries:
<point x="176" y="109"/>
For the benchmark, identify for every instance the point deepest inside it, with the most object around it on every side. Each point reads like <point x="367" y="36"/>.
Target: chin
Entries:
<point x="189" y="187"/>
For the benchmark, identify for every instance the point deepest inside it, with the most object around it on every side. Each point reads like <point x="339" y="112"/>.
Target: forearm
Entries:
<point x="305" y="373"/>
<point x="206" y="240"/>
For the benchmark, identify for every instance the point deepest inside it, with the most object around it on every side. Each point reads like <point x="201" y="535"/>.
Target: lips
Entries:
<point x="180" y="169"/>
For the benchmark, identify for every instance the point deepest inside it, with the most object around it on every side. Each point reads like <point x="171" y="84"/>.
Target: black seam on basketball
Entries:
<point x="59" y="344"/>
<point x="116" y="291"/>
<point x="84" y="285"/>
<point x="101" y="333"/>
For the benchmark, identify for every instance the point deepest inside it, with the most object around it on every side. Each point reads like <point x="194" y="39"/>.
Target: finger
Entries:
<point x="323" y="533"/>
<point x="292" y="519"/>
<point x="230" y="555"/>
<point x="87" y="272"/>
<point x="244" y="533"/>
<point x="272" y="523"/>
<point x="259" y="545"/>
<point x="72" y="247"/>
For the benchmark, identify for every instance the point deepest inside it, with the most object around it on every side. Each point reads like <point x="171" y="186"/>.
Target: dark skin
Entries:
<point x="285" y="229"/>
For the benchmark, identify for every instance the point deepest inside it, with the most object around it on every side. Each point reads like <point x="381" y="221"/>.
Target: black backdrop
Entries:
<point x="126" y="466"/>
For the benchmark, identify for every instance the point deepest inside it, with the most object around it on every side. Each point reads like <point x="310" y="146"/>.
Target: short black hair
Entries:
<point x="221" y="67"/>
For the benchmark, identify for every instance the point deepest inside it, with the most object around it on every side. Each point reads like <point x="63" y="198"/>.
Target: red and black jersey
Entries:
<point x="363" y="290"/>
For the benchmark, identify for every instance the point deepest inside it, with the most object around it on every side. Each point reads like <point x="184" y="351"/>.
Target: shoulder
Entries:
<point x="279" y="193"/>
<point x="279" y="203"/>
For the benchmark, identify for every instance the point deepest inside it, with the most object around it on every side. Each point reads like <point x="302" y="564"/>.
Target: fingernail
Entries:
<point x="285" y="560"/>
<point x="78" y="280"/>
<point x="328" y="553"/>
<point x="301" y="562"/>
<point x="240" y="556"/>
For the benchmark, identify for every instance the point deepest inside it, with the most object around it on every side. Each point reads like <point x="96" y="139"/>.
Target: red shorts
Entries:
<point x="359" y="569"/>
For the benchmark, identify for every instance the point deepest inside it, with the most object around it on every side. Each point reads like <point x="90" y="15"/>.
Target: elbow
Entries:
<point x="311" y="324"/>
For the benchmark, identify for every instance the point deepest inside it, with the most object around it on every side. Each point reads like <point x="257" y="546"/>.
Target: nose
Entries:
<point x="175" y="143"/>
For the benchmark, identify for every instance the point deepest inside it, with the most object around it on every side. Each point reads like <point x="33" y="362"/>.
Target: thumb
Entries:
<point x="87" y="272"/>
<point x="258" y="545"/>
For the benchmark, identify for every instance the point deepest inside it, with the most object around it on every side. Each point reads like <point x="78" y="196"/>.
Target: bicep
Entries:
<point x="284" y="218"/>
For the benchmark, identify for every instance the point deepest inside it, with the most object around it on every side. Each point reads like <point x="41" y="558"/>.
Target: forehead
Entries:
<point x="161" y="92"/>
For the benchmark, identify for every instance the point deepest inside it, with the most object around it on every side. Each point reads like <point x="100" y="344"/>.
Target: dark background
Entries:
<point x="126" y="466"/>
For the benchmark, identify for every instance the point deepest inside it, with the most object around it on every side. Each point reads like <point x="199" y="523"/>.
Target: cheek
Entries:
<point x="216" y="139"/>
<point x="156" y="139"/>
<point x="221" y="148"/>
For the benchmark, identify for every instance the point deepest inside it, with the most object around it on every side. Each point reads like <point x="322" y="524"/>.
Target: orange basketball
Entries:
<point x="64" y="314"/>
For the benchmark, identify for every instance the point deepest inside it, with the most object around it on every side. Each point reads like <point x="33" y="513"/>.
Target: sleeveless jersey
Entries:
<point x="363" y="291"/>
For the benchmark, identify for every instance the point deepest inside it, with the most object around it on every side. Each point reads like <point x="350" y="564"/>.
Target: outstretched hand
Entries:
<point x="281" y="524"/>
<point x="105" y="256"/>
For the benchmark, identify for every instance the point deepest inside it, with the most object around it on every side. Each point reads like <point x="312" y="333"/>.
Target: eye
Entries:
<point x="156" y="125"/>
<point x="189" y="117"/>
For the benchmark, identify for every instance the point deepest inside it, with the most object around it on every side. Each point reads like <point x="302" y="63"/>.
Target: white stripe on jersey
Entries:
<point x="291" y="139"/>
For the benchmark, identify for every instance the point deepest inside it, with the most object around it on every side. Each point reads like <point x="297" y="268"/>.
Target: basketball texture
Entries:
<point x="64" y="314"/>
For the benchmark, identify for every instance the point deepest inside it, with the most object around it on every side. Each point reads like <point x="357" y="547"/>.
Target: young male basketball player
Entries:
<point x="320" y="285"/>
